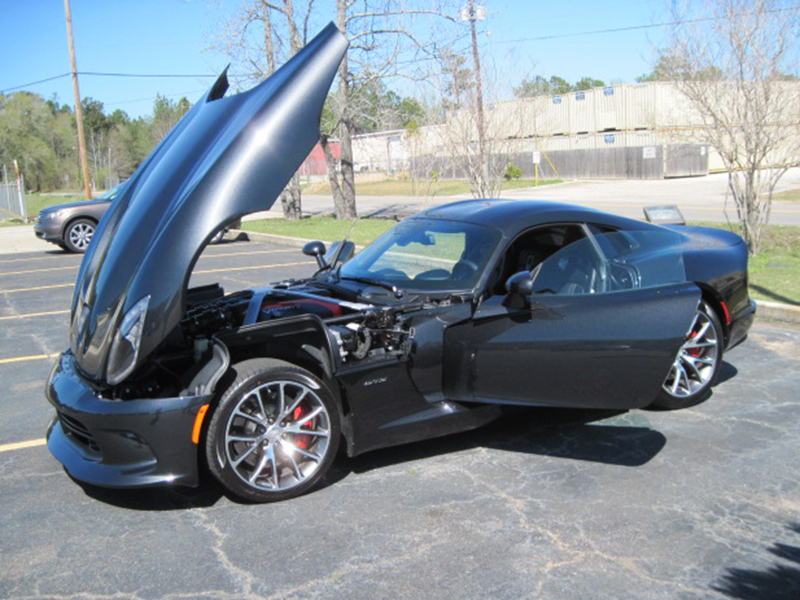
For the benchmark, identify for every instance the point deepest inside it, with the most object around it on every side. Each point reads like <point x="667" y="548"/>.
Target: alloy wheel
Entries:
<point x="80" y="235"/>
<point x="696" y="362"/>
<point x="277" y="436"/>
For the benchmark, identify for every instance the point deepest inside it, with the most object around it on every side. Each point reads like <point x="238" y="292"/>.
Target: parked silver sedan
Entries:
<point x="71" y="226"/>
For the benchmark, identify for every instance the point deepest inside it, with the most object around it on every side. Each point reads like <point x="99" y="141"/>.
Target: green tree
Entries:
<point x="587" y="83"/>
<point x="530" y="87"/>
<point x="559" y="85"/>
<point x="166" y="115"/>
<point x="458" y="81"/>
<point x="27" y="126"/>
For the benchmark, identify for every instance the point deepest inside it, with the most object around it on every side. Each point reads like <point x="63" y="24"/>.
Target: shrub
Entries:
<point x="512" y="172"/>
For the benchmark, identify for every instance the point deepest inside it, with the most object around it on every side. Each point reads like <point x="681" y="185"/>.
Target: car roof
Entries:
<point x="513" y="216"/>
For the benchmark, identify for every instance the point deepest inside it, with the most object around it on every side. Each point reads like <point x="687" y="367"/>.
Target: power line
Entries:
<point x="143" y="75"/>
<point x="99" y="74"/>
<point x="19" y="87"/>
<point x="630" y="28"/>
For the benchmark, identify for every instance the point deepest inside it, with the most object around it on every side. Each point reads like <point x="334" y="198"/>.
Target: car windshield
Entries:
<point x="426" y="255"/>
<point x="112" y="193"/>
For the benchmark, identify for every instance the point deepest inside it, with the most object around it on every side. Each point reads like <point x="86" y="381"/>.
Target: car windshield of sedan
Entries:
<point x="426" y="255"/>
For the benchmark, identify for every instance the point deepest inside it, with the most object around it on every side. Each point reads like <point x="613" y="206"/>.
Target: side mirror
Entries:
<point x="519" y="287"/>
<point x="317" y="250"/>
<point x="340" y="252"/>
<point x="520" y="284"/>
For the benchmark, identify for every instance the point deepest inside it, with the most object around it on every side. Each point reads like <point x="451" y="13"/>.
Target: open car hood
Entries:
<point x="226" y="158"/>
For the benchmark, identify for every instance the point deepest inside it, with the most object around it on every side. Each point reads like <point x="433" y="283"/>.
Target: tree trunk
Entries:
<point x="290" y="200"/>
<point x="330" y="163"/>
<point x="347" y="210"/>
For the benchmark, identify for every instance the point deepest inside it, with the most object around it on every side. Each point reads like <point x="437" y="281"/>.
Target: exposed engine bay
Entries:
<point x="356" y="332"/>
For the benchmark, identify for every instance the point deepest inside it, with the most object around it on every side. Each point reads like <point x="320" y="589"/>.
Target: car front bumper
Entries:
<point x="48" y="232"/>
<point x="115" y="443"/>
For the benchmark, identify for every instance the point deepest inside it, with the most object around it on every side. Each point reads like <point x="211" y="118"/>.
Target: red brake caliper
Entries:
<point x="694" y="351"/>
<point x="303" y="441"/>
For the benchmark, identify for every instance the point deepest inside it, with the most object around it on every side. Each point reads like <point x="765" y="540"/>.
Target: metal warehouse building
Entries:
<point x="627" y="131"/>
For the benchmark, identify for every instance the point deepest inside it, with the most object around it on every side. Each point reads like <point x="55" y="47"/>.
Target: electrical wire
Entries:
<point x="99" y="74"/>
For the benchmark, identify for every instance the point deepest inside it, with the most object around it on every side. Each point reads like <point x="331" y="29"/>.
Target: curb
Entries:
<point x="278" y="240"/>
<point x="777" y="311"/>
<point x="767" y="310"/>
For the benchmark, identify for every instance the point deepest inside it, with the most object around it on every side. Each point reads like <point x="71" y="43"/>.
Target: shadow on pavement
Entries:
<point x="777" y="582"/>
<point x="157" y="499"/>
<point x="591" y="436"/>
<point x="608" y="437"/>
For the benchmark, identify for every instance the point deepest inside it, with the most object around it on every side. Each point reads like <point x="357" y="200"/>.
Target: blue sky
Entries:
<point x="174" y="36"/>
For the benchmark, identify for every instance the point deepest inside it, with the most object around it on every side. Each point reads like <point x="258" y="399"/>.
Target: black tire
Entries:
<point x="257" y="446"/>
<point x="697" y="364"/>
<point x="78" y="235"/>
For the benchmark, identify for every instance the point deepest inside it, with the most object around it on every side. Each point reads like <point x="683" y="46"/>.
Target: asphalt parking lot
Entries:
<point x="699" y="503"/>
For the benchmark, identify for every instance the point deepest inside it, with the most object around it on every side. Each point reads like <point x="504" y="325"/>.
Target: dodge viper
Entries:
<point x="434" y="328"/>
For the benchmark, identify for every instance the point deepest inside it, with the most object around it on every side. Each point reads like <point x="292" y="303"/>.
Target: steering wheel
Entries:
<point x="464" y="268"/>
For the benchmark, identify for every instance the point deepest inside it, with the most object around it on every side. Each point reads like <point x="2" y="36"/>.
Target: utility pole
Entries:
<point x="78" y="108"/>
<point x="472" y="14"/>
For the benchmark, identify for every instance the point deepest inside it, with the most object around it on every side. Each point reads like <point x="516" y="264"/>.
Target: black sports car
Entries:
<point x="432" y="329"/>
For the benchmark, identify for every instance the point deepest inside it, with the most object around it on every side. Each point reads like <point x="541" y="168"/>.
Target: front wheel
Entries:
<point x="78" y="235"/>
<point x="275" y="432"/>
<point x="697" y="364"/>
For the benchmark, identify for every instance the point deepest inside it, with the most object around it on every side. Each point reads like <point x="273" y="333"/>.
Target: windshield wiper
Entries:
<point x="398" y="293"/>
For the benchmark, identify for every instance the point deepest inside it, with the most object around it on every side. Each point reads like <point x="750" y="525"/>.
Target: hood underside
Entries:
<point x="226" y="158"/>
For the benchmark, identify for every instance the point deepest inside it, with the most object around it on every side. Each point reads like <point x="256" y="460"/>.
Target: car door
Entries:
<point x="599" y="327"/>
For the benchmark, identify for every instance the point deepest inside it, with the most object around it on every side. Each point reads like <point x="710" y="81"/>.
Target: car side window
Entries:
<point x="576" y="269"/>
<point x="532" y="248"/>
<point x="612" y="262"/>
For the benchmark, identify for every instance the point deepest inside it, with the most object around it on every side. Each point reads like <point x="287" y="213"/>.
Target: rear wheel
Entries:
<point x="79" y="234"/>
<point x="697" y="364"/>
<point x="275" y="432"/>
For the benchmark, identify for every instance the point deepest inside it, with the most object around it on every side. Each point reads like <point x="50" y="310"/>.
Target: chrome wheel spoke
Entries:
<point x="248" y="417"/>
<point x="301" y="452"/>
<point x="262" y="464"/>
<point x="295" y="404"/>
<point x="691" y="345"/>
<point x="282" y="400"/>
<point x="290" y="455"/>
<point x="260" y="403"/>
<point x="239" y="459"/>
<point x="675" y="378"/>
<point x="298" y="431"/>
<point x="247" y="439"/>
<point x="688" y="362"/>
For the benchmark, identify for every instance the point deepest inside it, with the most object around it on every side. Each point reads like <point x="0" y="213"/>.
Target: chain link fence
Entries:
<point x="12" y="200"/>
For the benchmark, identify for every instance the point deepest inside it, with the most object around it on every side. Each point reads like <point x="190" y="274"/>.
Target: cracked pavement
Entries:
<point x="698" y="503"/>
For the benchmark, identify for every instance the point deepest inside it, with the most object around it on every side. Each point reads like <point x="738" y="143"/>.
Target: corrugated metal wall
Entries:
<point x="629" y="117"/>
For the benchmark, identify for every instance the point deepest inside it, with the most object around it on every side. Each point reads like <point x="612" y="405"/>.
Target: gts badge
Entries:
<point x="377" y="381"/>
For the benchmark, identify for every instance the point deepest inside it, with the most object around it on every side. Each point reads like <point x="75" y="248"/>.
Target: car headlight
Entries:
<point x="53" y="214"/>
<point x="125" y="346"/>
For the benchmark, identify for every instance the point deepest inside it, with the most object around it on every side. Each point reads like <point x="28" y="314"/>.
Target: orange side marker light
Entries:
<point x="198" y="423"/>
